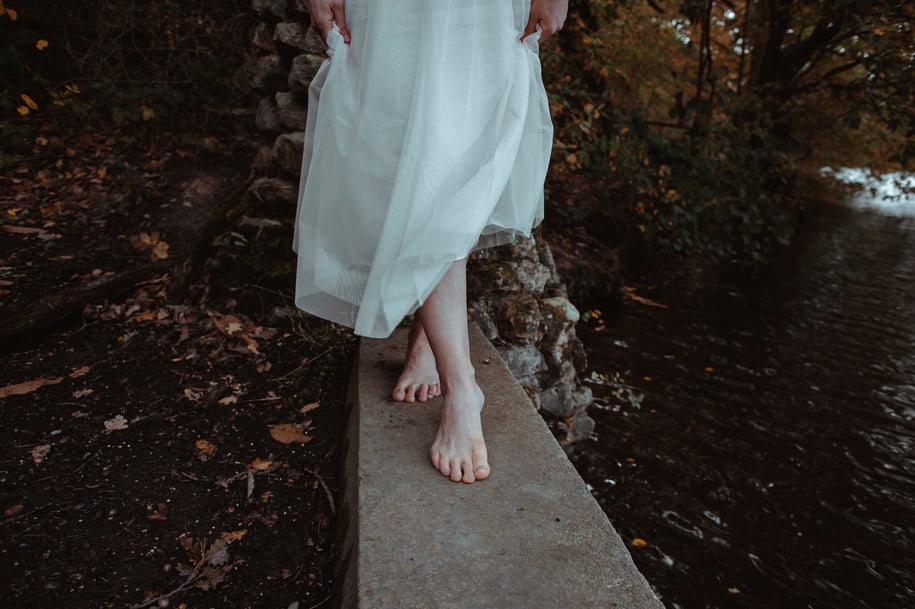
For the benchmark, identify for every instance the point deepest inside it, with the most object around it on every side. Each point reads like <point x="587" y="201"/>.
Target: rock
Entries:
<point x="274" y="191"/>
<point x="557" y="401"/>
<point x="267" y="117"/>
<point x="518" y="318"/>
<point x="292" y="111"/>
<point x="275" y="8"/>
<point x="304" y="67"/>
<point x="291" y="33"/>
<point x="559" y="318"/>
<point x="300" y="9"/>
<point x="576" y="428"/>
<point x="287" y="152"/>
<point x="480" y="312"/>
<point x="523" y="361"/>
<point x="263" y="38"/>
<point x="263" y="159"/>
<point x="562" y="308"/>
<point x="266" y="74"/>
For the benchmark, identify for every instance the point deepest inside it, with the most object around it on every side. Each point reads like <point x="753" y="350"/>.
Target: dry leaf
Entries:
<point x="260" y="465"/>
<point x="309" y="407"/>
<point x="115" y="424"/>
<point x="13" y="510"/>
<point x="231" y="536"/>
<point x="639" y="543"/>
<point x="160" y="513"/>
<point x="78" y="372"/>
<point x="193" y="394"/>
<point x="144" y="316"/>
<point x="229" y="399"/>
<point x="40" y="452"/>
<point x="23" y="230"/>
<point x="159" y="251"/>
<point x="81" y="393"/>
<point x="287" y="433"/>
<point x="205" y="447"/>
<point x="28" y="386"/>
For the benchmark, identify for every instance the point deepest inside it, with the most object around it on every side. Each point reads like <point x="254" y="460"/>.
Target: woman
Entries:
<point x="428" y="136"/>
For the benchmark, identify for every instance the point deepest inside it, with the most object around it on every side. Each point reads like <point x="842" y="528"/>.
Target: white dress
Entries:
<point x="428" y="136"/>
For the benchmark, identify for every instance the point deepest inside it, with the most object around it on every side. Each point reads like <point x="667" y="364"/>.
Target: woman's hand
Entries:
<point x="550" y="14"/>
<point x="325" y="13"/>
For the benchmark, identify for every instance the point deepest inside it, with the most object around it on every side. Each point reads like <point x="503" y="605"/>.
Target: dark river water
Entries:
<point x="771" y="463"/>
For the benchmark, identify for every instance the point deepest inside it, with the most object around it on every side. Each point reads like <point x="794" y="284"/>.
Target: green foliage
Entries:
<point x="704" y="133"/>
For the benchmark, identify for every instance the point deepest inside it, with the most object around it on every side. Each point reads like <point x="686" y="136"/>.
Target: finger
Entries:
<point x="530" y="28"/>
<point x="339" y="14"/>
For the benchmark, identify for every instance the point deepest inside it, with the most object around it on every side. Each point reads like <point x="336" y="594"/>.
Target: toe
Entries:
<point x="456" y="474"/>
<point x="480" y="465"/>
<point x="435" y="458"/>
<point x="445" y="467"/>
<point x="410" y="394"/>
<point x="423" y="394"/>
<point x="467" y="468"/>
<point x="398" y="394"/>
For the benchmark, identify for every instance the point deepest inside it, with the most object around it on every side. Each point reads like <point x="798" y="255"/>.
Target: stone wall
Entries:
<point x="516" y="295"/>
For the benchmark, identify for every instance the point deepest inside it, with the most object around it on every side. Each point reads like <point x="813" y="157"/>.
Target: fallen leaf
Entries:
<point x="13" y="510"/>
<point x="205" y="447"/>
<point x="260" y="465"/>
<point x="28" y="101"/>
<point x="193" y="394"/>
<point x="159" y="251"/>
<point x="309" y="407"/>
<point x="160" y="513"/>
<point x="212" y="576"/>
<point x="144" y="316"/>
<point x="41" y="44"/>
<point x="115" y="424"/>
<point x="639" y="543"/>
<point x="78" y="372"/>
<point x="287" y="433"/>
<point x="24" y="230"/>
<point x="28" y="386"/>
<point x="40" y="452"/>
<point x="231" y="536"/>
<point x="229" y="399"/>
<point x="81" y="393"/>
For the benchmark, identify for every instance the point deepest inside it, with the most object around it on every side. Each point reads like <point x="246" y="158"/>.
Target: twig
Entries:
<point x="330" y="496"/>
<point x="193" y="577"/>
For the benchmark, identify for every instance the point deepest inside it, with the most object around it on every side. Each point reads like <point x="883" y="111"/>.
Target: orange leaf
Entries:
<point x="260" y="465"/>
<point x="28" y="101"/>
<point x="639" y="543"/>
<point x="28" y="386"/>
<point x="206" y="447"/>
<point x="231" y="536"/>
<point x="287" y="433"/>
<point x="41" y="44"/>
<point x="79" y="372"/>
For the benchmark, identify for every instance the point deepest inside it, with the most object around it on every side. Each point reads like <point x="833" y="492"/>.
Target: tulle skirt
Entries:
<point x="428" y="136"/>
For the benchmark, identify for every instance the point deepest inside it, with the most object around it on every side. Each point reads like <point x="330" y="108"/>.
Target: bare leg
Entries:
<point x="419" y="379"/>
<point x="458" y="451"/>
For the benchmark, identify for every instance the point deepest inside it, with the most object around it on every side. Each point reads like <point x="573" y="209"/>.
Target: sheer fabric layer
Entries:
<point x="427" y="136"/>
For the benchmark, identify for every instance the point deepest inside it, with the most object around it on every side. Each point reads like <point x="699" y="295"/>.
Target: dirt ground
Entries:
<point x="156" y="453"/>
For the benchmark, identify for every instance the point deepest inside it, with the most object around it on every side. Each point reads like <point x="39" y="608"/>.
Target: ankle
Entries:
<point x="461" y="381"/>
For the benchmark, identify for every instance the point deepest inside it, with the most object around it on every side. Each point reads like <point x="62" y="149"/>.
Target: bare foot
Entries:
<point x="459" y="451"/>
<point x="419" y="379"/>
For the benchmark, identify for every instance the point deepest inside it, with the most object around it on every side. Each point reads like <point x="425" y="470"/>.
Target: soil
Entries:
<point x="156" y="452"/>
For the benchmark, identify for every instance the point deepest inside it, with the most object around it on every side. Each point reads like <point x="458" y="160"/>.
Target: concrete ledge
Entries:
<point x="529" y="537"/>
